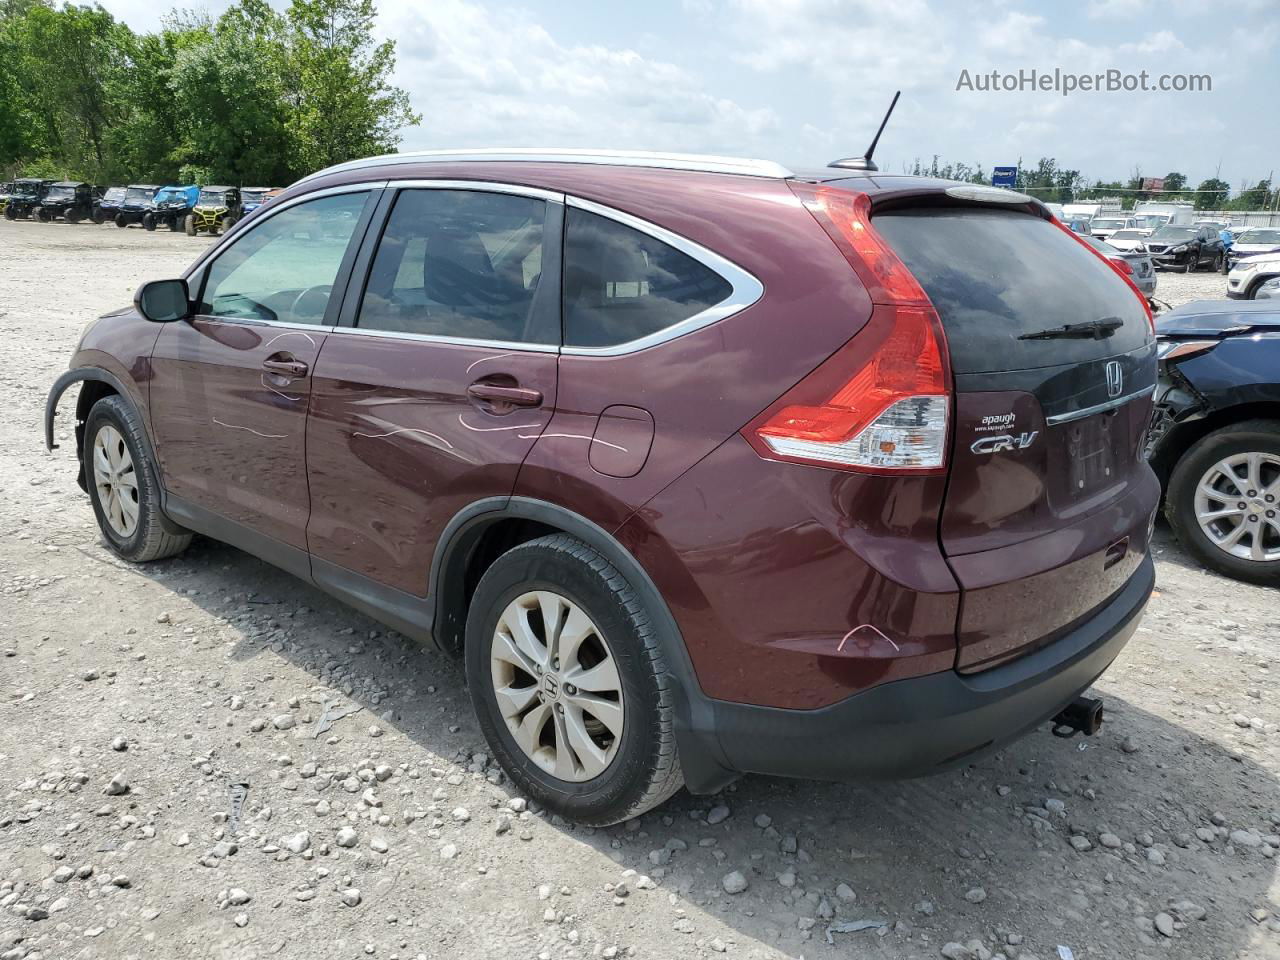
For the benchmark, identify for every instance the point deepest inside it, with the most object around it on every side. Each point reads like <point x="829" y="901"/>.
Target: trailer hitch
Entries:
<point x="1082" y="715"/>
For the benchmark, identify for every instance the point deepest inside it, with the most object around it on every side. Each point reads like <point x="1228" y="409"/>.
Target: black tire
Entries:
<point x="99" y="217"/>
<point x="73" y="215"/>
<point x="1220" y="263"/>
<point x="121" y="220"/>
<point x="1245" y="437"/>
<point x="175" y="223"/>
<point x="645" y="770"/>
<point x="10" y="213"/>
<point x="1190" y="264"/>
<point x="40" y="213"/>
<point x="1252" y="292"/>
<point x="155" y="536"/>
<point x="148" y="221"/>
<point x="227" y="223"/>
<point x="190" y="225"/>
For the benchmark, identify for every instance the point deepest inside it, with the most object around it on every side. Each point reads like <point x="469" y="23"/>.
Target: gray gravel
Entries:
<point x="1157" y="838"/>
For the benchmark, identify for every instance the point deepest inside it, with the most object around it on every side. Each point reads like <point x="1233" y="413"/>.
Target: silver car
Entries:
<point x="1136" y="263"/>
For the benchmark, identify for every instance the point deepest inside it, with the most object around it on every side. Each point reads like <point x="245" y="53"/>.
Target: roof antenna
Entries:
<point x="865" y="162"/>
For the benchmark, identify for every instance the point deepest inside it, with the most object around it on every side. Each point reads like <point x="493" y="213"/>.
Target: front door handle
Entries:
<point x="285" y="368"/>
<point x="497" y="393"/>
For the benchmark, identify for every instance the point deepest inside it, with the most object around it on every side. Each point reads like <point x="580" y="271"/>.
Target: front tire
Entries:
<point x="190" y="225"/>
<point x="148" y="221"/>
<point x="569" y="683"/>
<point x="1217" y="501"/>
<point x="121" y="221"/>
<point x="123" y="487"/>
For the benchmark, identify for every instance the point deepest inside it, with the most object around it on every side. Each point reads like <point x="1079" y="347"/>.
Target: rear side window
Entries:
<point x="458" y="263"/>
<point x="996" y="275"/>
<point x="621" y="284"/>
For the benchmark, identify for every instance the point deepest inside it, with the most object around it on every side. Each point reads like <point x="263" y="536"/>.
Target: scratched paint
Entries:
<point x="256" y="433"/>
<point x="867" y="626"/>
<point x="570" y="436"/>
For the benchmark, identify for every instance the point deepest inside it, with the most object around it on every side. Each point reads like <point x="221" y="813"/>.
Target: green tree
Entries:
<point x="228" y="85"/>
<point x="1212" y="194"/>
<point x="343" y="104"/>
<point x="1174" y="182"/>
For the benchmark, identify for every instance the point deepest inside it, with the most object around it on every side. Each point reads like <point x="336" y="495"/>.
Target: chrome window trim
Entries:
<point x="479" y="186"/>
<point x="702" y="163"/>
<point x="1098" y="408"/>
<point x="257" y="322"/>
<point x="745" y="289"/>
<point x="270" y="210"/>
<point x="511" y="345"/>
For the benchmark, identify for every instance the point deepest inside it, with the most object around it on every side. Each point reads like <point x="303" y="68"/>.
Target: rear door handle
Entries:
<point x="286" y="368"/>
<point x="496" y="393"/>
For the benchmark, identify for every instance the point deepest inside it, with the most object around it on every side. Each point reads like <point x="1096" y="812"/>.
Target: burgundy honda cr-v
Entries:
<point x="703" y="466"/>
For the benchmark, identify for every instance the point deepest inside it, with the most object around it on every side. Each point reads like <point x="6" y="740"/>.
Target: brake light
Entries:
<point x="880" y="404"/>
<point x="1121" y="268"/>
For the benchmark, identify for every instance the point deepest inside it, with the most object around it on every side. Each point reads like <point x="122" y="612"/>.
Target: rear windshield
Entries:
<point x="996" y="275"/>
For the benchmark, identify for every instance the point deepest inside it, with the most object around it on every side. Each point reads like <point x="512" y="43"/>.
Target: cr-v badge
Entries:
<point x="1004" y="442"/>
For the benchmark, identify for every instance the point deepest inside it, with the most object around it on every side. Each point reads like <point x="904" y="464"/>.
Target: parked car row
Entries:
<point x="193" y="209"/>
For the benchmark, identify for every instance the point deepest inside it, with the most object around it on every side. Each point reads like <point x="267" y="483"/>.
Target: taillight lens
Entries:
<point x="882" y="403"/>
<point x="1122" y="269"/>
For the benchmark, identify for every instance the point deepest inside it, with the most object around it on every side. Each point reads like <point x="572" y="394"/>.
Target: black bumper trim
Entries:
<point x="926" y="724"/>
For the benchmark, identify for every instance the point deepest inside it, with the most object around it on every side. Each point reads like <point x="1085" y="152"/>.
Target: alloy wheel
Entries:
<point x="1237" y="505"/>
<point x="116" y="481"/>
<point x="557" y="685"/>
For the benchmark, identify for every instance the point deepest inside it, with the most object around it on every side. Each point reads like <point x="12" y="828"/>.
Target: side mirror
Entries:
<point x="163" y="301"/>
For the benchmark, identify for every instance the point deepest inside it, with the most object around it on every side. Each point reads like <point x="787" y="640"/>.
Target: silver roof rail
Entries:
<point x="619" y="158"/>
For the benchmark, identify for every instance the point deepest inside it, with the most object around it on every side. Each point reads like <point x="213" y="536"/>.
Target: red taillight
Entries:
<point x="1122" y="269"/>
<point x="888" y="416"/>
<point x="882" y="403"/>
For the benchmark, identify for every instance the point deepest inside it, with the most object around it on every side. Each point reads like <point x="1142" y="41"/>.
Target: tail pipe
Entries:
<point x="1082" y="715"/>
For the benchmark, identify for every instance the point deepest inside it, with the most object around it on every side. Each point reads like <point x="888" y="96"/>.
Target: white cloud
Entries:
<point x="485" y="76"/>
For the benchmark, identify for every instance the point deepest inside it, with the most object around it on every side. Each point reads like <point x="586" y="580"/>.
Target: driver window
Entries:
<point x="284" y="268"/>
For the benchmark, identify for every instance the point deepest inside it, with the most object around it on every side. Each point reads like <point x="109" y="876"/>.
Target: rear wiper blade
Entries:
<point x="1093" y="330"/>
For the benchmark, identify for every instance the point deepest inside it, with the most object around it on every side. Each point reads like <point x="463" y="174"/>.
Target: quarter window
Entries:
<point x="458" y="263"/>
<point x="621" y="284"/>
<point x="284" y="268"/>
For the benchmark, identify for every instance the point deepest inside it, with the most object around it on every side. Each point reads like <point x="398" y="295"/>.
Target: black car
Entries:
<point x="1186" y="248"/>
<point x="1215" y="433"/>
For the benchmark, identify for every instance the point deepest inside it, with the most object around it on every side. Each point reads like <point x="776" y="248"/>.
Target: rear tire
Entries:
<point x="99" y="217"/>
<point x="41" y="214"/>
<point x="1197" y="466"/>
<point x="618" y="775"/>
<point x="73" y="215"/>
<point x="123" y="487"/>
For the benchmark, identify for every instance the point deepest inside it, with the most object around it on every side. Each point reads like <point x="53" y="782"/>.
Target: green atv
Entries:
<point x="217" y="211"/>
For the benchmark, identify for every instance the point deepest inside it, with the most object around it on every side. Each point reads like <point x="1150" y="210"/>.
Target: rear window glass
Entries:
<point x="621" y="284"/>
<point x="995" y="275"/>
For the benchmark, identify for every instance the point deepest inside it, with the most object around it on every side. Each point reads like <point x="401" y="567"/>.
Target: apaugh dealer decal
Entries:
<point x="1005" y="440"/>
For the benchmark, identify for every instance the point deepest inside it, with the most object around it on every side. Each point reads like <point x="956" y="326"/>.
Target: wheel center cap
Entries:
<point x="550" y="686"/>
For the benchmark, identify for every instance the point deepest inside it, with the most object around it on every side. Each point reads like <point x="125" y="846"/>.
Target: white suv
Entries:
<point x="1249" y="273"/>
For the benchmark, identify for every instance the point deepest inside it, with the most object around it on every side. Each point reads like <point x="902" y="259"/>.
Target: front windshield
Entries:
<point x="25" y="189"/>
<point x="213" y="198"/>
<point x="1107" y="224"/>
<point x="169" y="196"/>
<point x="61" y="193"/>
<point x="1152" y="221"/>
<point x="253" y="196"/>
<point x="1126" y="235"/>
<point x="1174" y="233"/>
<point x="114" y="195"/>
<point x="1261" y="236"/>
<point x="139" y="194"/>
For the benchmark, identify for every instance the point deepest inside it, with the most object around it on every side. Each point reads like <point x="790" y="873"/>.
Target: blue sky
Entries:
<point x="805" y="81"/>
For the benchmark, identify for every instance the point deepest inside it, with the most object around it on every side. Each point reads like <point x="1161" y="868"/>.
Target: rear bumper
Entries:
<point x="921" y="725"/>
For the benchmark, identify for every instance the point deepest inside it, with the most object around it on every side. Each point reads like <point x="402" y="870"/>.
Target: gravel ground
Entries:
<point x="133" y="698"/>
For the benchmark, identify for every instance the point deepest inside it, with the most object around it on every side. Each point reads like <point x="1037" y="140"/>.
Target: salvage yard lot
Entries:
<point x="132" y="697"/>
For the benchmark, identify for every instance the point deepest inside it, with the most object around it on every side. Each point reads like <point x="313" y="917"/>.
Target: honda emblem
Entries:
<point x="1115" y="378"/>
